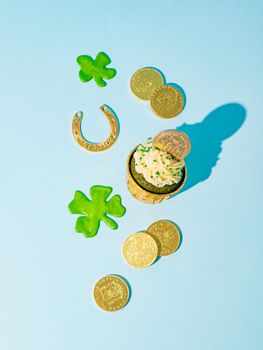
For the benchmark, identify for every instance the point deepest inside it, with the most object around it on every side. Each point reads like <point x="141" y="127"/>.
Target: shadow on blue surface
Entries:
<point x="207" y="138"/>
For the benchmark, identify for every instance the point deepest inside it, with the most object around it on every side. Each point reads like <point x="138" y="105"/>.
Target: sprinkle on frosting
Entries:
<point x="157" y="167"/>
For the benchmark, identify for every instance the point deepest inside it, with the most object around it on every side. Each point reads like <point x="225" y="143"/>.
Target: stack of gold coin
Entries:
<point x="167" y="236"/>
<point x="140" y="250"/>
<point x="145" y="81"/>
<point x="111" y="293"/>
<point x="161" y="238"/>
<point x="166" y="100"/>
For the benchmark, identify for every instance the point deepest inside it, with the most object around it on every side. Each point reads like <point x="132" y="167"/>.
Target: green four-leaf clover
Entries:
<point x="94" y="210"/>
<point x="95" y="69"/>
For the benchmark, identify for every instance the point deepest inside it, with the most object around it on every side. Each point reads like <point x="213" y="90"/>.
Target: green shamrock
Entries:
<point x="95" y="69"/>
<point x="95" y="210"/>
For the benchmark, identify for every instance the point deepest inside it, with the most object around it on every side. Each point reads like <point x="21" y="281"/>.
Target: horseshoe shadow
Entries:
<point x="116" y="117"/>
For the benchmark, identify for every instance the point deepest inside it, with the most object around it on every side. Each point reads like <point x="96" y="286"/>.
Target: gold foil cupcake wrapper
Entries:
<point x="143" y="195"/>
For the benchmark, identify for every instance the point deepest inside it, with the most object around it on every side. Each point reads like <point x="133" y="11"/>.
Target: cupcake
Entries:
<point x="156" y="168"/>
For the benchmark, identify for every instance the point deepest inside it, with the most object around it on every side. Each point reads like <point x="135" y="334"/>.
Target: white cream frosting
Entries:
<point x="157" y="167"/>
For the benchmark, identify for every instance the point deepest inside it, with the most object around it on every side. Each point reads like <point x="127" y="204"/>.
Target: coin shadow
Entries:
<point x="128" y="284"/>
<point x="156" y="260"/>
<point x="207" y="138"/>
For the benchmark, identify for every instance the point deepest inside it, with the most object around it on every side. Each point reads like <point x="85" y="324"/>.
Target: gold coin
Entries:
<point x="111" y="293"/>
<point x="166" y="235"/>
<point x="140" y="250"/>
<point x="174" y="142"/>
<point x="167" y="101"/>
<point x="145" y="81"/>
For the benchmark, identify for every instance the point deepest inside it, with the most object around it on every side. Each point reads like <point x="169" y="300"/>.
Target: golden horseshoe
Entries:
<point x="96" y="147"/>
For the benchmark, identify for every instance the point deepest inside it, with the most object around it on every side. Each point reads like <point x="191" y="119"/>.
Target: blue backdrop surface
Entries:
<point x="208" y="295"/>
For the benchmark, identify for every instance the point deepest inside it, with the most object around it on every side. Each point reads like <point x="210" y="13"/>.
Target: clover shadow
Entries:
<point x="206" y="139"/>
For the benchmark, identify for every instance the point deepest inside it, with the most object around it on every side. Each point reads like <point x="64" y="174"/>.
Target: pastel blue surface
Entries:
<point x="208" y="295"/>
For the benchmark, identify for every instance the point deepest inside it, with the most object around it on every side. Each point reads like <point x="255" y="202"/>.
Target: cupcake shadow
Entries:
<point x="207" y="138"/>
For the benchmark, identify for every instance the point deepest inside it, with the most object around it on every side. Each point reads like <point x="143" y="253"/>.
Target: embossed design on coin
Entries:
<point x="167" y="101"/>
<point x="111" y="293"/>
<point x="96" y="147"/>
<point x="140" y="250"/>
<point x="145" y="81"/>
<point x="166" y="235"/>
<point x="174" y="142"/>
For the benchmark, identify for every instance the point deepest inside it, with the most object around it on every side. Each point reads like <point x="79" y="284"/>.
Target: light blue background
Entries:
<point x="208" y="295"/>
